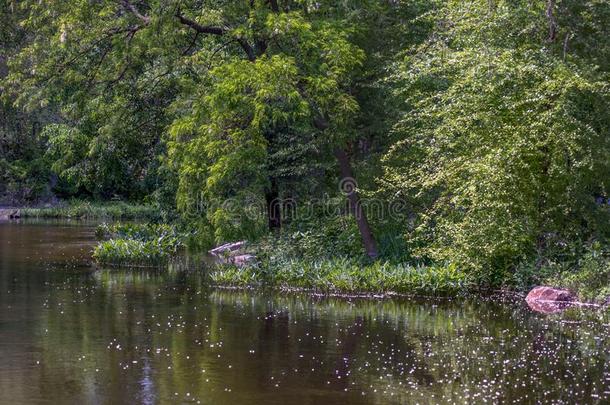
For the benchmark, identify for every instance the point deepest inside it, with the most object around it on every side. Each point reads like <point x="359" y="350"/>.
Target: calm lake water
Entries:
<point x="74" y="334"/>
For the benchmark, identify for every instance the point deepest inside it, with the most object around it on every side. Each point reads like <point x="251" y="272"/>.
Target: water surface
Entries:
<point x="71" y="333"/>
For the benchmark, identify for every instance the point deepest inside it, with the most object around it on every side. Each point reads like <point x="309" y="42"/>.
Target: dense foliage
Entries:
<point x="504" y="146"/>
<point x="473" y="133"/>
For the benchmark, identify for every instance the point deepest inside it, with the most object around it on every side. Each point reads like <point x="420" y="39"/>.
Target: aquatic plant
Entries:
<point x="148" y="245"/>
<point x="145" y="231"/>
<point x="131" y="252"/>
<point x="94" y="210"/>
<point x="346" y="275"/>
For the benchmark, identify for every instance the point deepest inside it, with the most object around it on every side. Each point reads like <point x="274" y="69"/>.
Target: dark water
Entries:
<point x="70" y="333"/>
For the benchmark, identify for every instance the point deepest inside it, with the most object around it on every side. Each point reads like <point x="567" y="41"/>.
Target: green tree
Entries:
<point x="245" y="71"/>
<point x="503" y="148"/>
<point x="100" y="80"/>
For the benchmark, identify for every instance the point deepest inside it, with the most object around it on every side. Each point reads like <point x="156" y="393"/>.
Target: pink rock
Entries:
<point x="549" y="300"/>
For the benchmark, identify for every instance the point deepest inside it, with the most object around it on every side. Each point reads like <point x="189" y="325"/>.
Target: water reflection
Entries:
<point x="71" y="334"/>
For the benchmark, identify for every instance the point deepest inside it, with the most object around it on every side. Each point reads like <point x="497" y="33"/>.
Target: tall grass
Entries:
<point x="134" y="253"/>
<point x="137" y="245"/>
<point x="327" y="259"/>
<point x="343" y="275"/>
<point x="94" y="210"/>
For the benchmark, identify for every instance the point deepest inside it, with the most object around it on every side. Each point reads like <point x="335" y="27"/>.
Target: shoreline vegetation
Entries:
<point x="342" y="276"/>
<point x="82" y="209"/>
<point x="589" y="281"/>
<point x="289" y="264"/>
<point x="136" y="245"/>
<point x="299" y="263"/>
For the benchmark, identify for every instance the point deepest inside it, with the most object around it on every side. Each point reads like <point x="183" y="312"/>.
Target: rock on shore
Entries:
<point x="549" y="299"/>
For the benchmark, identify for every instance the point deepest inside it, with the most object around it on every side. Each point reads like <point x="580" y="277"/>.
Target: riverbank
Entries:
<point x="148" y="245"/>
<point x="79" y="209"/>
<point x="346" y="276"/>
<point x="286" y="264"/>
<point x="281" y="263"/>
<point x="349" y="278"/>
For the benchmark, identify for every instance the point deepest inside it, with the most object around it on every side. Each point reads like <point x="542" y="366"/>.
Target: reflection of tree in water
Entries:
<point x="309" y="348"/>
<point x="295" y="347"/>
<point x="443" y="349"/>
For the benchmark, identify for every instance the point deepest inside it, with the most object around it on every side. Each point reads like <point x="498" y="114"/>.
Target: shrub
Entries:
<point x="589" y="277"/>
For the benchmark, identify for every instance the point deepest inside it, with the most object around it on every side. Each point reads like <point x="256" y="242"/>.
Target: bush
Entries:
<point x="589" y="277"/>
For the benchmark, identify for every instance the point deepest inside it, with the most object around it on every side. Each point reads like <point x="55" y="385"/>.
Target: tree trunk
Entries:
<point x="274" y="208"/>
<point x="550" y="8"/>
<point x="348" y="186"/>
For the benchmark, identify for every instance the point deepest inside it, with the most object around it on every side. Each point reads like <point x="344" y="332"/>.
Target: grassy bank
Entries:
<point x="342" y="275"/>
<point x="318" y="263"/>
<point x="314" y="261"/>
<point x="94" y="210"/>
<point x="589" y="278"/>
<point x="137" y="245"/>
<point x="281" y="263"/>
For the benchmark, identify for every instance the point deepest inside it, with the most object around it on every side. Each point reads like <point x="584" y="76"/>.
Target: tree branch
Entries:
<point x="204" y="29"/>
<point x="187" y="50"/>
<point x="247" y="48"/>
<point x="134" y="11"/>
<point x="219" y="31"/>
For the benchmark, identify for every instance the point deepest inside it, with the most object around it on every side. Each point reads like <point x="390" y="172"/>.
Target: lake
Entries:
<point x="76" y="334"/>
